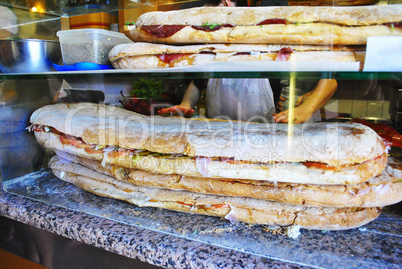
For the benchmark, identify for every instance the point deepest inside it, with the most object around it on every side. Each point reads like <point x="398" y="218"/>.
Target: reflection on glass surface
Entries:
<point x="22" y="23"/>
<point x="77" y="7"/>
<point x="19" y="152"/>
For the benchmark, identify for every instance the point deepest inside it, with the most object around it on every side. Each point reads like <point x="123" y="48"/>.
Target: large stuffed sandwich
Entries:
<point x="321" y="153"/>
<point x="298" y="25"/>
<point x="142" y="55"/>
<point x="243" y="172"/>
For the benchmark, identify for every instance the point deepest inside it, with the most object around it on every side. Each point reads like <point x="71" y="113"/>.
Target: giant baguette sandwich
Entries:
<point x="325" y="153"/>
<point x="382" y="190"/>
<point x="148" y="55"/>
<point x="244" y="209"/>
<point x="268" y="25"/>
<point x="331" y="2"/>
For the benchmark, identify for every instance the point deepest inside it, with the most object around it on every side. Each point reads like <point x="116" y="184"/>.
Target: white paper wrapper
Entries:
<point x="383" y="54"/>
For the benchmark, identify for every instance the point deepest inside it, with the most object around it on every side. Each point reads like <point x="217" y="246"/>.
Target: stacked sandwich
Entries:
<point x="225" y="34"/>
<point x="328" y="176"/>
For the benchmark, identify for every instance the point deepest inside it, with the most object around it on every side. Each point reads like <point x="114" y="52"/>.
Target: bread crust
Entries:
<point x="379" y="191"/>
<point x="248" y="210"/>
<point x="330" y="2"/>
<point x="351" y="16"/>
<point x="146" y="56"/>
<point x="331" y="143"/>
<point x="306" y="25"/>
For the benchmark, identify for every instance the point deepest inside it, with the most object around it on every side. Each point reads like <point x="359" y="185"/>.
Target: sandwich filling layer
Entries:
<point x="214" y="167"/>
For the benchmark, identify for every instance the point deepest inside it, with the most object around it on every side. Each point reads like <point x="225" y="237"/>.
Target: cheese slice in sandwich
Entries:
<point x="235" y="209"/>
<point x="328" y="153"/>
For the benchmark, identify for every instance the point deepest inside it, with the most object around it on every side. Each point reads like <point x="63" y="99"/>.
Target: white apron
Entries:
<point x="240" y="99"/>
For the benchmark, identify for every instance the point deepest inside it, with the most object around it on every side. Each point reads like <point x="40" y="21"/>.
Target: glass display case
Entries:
<point x="363" y="96"/>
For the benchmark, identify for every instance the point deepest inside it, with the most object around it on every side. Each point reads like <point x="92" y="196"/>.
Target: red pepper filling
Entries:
<point x="395" y="24"/>
<point x="162" y="31"/>
<point x="319" y="166"/>
<point x="324" y="166"/>
<point x="185" y="204"/>
<point x="168" y="58"/>
<point x="41" y="128"/>
<point x="203" y="206"/>
<point x="386" y="132"/>
<point x="284" y="54"/>
<point x="273" y="21"/>
<point x="243" y="53"/>
<point x="74" y="141"/>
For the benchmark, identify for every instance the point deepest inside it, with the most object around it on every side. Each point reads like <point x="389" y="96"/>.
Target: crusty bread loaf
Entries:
<point x="300" y="25"/>
<point x="248" y="210"/>
<point x="148" y="55"/>
<point x="350" y="16"/>
<point x="315" y="33"/>
<point x="382" y="190"/>
<point x="330" y="143"/>
<point x="283" y="171"/>
<point x="331" y="2"/>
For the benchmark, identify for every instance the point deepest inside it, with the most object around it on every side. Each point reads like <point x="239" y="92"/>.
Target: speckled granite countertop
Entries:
<point x="148" y="246"/>
<point x="177" y="240"/>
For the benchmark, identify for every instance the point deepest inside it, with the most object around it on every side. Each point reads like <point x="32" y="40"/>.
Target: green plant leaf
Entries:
<point x="147" y="88"/>
<point x="211" y="25"/>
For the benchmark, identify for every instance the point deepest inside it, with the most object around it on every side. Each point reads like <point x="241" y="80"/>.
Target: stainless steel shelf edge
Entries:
<point x="182" y="73"/>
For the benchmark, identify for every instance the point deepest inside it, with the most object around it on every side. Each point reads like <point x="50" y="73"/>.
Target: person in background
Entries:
<point x="250" y="99"/>
<point x="308" y="103"/>
<point x="214" y="3"/>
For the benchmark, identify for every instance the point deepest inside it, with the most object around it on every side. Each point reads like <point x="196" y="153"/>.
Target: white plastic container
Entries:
<point x="88" y="45"/>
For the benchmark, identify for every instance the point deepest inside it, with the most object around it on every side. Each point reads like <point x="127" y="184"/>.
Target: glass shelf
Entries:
<point x="180" y="74"/>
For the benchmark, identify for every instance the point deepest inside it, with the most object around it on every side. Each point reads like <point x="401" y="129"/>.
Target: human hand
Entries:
<point x="303" y="98"/>
<point x="279" y="105"/>
<point x="299" y="115"/>
<point x="177" y="110"/>
<point x="302" y="111"/>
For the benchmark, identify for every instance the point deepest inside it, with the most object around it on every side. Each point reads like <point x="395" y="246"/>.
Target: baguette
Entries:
<point x="268" y="25"/>
<point x="249" y="210"/>
<point x="382" y="190"/>
<point x="331" y="2"/>
<point x="93" y="125"/>
<point x="291" y="172"/>
<point x="148" y="55"/>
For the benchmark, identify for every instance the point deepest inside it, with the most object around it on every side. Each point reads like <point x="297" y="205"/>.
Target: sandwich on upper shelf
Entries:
<point x="263" y="34"/>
